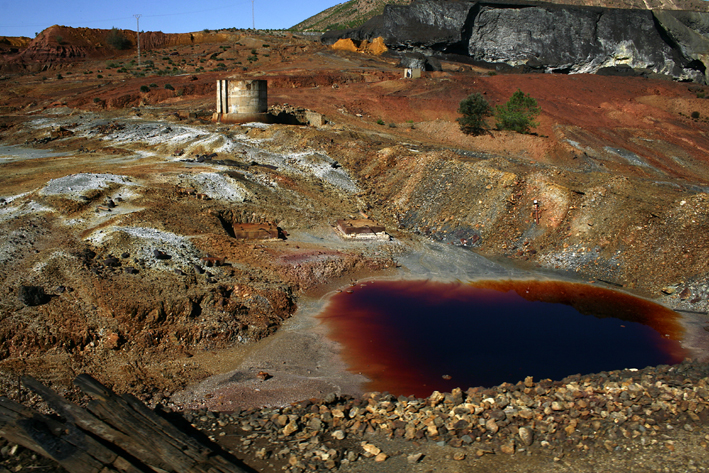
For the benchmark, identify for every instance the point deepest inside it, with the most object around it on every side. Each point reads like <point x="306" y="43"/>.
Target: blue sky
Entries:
<point x="27" y="17"/>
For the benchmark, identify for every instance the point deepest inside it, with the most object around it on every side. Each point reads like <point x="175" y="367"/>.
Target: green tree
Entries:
<point x="474" y="109"/>
<point x="117" y="39"/>
<point x="518" y="113"/>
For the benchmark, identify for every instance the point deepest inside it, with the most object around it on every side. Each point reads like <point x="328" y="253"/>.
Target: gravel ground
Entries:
<point x="653" y="419"/>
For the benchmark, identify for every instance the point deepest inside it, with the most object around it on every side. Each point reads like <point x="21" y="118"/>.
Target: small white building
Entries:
<point x="412" y="73"/>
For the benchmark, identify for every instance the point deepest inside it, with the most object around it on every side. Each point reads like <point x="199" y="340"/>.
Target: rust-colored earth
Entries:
<point x="620" y="167"/>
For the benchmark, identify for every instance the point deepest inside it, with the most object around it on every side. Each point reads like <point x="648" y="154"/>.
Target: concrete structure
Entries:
<point x="314" y="118"/>
<point x="241" y="101"/>
<point x="257" y="231"/>
<point x="361" y="229"/>
<point x="412" y="73"/>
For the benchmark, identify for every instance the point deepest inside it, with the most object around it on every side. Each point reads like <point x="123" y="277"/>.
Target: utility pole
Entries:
<point x="253" y="16"/>
<point x="137" y="30"/>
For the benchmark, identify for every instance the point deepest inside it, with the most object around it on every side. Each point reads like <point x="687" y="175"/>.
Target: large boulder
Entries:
<point x="420" y="61"/>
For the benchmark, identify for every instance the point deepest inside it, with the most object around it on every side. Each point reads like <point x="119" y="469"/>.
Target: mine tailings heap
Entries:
<point x="241" y="101"/>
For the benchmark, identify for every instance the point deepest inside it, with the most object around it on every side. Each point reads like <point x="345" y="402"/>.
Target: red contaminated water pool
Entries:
<point x="414" y="337"/>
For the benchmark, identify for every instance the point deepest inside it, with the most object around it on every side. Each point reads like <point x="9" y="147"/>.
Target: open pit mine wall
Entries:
<point x="547" y="37"/>
<point x="57" y="45"/>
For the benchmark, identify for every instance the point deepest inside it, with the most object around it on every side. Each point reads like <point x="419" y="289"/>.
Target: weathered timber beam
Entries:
<point x="90" y="423"/>
<point x="64" y="444"/>
<point x="126" y="413"/>
<point x="117" y="434"/>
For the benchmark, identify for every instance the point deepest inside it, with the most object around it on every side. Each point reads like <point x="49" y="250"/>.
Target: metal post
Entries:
<point x="536" y="211"/>
<point x="137" y="30"/>
<point x="253" y="16"/>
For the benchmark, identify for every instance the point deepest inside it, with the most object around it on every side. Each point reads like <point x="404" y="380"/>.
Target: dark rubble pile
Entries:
<point x="609" y="411"/>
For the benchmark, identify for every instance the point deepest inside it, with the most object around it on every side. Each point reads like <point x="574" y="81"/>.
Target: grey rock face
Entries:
<point x="420" y="61"/>
<point x="690" y="32"/>
<point x="552" y="38"/>
<point x="428" y="24"/>
<point x="572" y="39"/>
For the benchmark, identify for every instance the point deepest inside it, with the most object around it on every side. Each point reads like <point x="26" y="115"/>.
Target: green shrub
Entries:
<point x="99" y="76"/>
<point x="144" y="88"/>
<point x="117" y="39"/>
<point x="169" y="87"/>
<point x="59" y="76"/>
<point x="475" y="109"/>
<point x="97" y="100"/>
<point x="518" y="113"/>
<point x="695" y="115"/>
<point x="380" y="122"/>
<point x="701" y="95"/>
<point x="153" y="85"/>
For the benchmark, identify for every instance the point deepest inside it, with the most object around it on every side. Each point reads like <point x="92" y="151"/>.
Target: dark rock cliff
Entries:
<point x="552" y="38"/>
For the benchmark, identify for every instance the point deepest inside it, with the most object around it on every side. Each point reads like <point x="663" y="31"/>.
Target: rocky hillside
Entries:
<point x="692" y="5"/>
<point x="346" y="15"/>
<point x="62" y="44"/>
<point x="549" y="38"/>
<point x="354" y="13"/>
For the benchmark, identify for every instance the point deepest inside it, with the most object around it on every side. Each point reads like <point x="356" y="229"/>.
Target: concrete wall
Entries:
<point x="239" y="100"/>
<point x="412" y="73"/>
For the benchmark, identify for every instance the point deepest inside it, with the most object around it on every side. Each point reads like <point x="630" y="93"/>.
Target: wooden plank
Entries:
<point x="134" y="439"/>
<point x="90" y="423"/>
<point x="32" y="430"/>
<point x="124" y="420"/>
<point x="11" y="413"/>
<point x="180" y="451"/>
<point x="170" y="436"/>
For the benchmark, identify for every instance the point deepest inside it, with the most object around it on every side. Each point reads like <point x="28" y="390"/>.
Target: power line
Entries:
<point x="137" y="30"/>
<point x="127" y="17"/>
